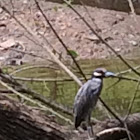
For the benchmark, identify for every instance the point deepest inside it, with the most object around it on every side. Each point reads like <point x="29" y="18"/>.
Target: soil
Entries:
<point x="121" y="30"/>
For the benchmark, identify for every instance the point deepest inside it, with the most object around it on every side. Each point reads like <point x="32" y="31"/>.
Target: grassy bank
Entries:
<point x="117" y="97"/>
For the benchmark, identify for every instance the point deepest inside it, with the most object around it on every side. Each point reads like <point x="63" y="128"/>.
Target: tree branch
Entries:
<point x="132" y="102"/>
<point x="32" y="67"/>
<point x="101" y="39"/>
<point x="22" y="88"/>
<point x="60" y="40"/>
<point x="35" y="102"/>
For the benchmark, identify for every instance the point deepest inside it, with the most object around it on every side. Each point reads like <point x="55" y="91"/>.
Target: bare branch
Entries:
<point x="112" y="132"/>
<point x="60" y="40"/>
<point x="129" y="70"/>
<point x="92" y="19"/>
<point x="75" y="60"/>
<point x="127" y="78"/>
<point x="35" y="102"/>
<point x="127" y="131"/>
<point x="35" y="40"/>
<point x="113" y="84"/>
<point x="38" y="42"/>
<point x="132" y="102"/>
<point x="32" y="67"/>
<point x="30" y="53"/>
<point x="101" y="39"/>
<point x="12" y="5"/>
<point x="43" y="80"/>
<point x="22" y="88"/>
<point x="69" y="79"/>
<point x="116" y="117"/>
<point x="132" y="9"/>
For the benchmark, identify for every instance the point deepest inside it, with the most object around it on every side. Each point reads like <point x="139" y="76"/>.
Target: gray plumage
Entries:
<point x="86" y="100"/>
<point x="88" y="95"/>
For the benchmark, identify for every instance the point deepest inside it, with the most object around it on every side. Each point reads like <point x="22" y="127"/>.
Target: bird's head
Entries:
<point x="102" y="72"/>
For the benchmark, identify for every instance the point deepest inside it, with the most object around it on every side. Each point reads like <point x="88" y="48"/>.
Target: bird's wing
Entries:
<point x="87" y="97"/>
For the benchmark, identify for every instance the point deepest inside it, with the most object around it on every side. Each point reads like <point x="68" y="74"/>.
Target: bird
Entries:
<point x="87" y="97"/>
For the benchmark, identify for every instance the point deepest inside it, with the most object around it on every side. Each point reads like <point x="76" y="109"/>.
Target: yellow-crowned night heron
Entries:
<point x="87" y="97"/>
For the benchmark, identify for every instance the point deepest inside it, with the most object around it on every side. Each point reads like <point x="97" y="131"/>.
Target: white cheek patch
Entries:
<point x="97" y="74"/>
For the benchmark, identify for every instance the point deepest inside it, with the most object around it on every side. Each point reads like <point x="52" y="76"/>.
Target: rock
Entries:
<point x="7" y="44"/>
<point x="38" y="15"/>
<point x="118" y="49"/>
<point x="131" y="36"/>
<point x="119" y="17"/>
<point x="2" y="26"/>
<point x="108" y="38"/>
<point x="2" y="58"/>
<point x="14" y="62"/>
<point x="25" y="1"/>
<point x="92" y="38"/>
<point x="134" y="43"/>
<point x="115" y="32"/>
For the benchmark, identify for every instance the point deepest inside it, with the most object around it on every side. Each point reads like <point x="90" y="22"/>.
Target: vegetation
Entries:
<point x="52" y="86"/>
<point x="118" y="97"/>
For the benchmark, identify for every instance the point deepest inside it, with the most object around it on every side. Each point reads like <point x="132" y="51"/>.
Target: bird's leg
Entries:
<point x="90" y="137"/>
<point x="90" y="129"/>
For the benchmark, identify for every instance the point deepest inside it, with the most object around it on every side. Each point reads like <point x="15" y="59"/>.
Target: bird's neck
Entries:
<point x="96" y="77"/>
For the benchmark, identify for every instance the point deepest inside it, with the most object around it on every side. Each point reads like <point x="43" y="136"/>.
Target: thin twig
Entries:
<point x="128" y="132"/>
<point x="43" y="79"/>
<point x="132" y="9"/>
<point x="132" y="101"/>
<point x="32" y="67"/>
<point x="37" y="96"/>
<point x="35" y="40"/>
<point x="118" y="76"/>
<point x="126" y="78"/>
<point x="110" y="47"/>
<point x="68" y="79"/>
<point x="128" y="70"/>
<point x="76" y="61"/>
<point x="29" y="53"/>
<point x="92" y="19"/>
<point x="110" y="131"/>
<point x="12" y="5"/>
<point x="20" y="23"/>
<point x="35" y="102"/>
<point x="101" y="39"/>
<point x="60" y="40"/>
<point x="116" y="117"/>
<point x="115" y="83"/>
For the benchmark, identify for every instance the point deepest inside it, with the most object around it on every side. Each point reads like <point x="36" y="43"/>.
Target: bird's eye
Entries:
<point x="101" y="72"/>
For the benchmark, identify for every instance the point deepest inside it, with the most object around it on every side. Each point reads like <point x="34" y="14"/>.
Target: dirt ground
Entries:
<point x="119" y="29"/>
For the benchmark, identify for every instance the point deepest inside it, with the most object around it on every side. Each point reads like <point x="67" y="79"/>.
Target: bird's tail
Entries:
<point x="78" y="121"/>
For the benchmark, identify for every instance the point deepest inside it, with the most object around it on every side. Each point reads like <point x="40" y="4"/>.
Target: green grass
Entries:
<point x="117" y="97"/>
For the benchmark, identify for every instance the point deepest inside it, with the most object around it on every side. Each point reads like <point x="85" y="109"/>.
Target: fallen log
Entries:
<point x="23" y="89"/>
<point x="112" y="129"/>
<point x="19" y="122"/>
